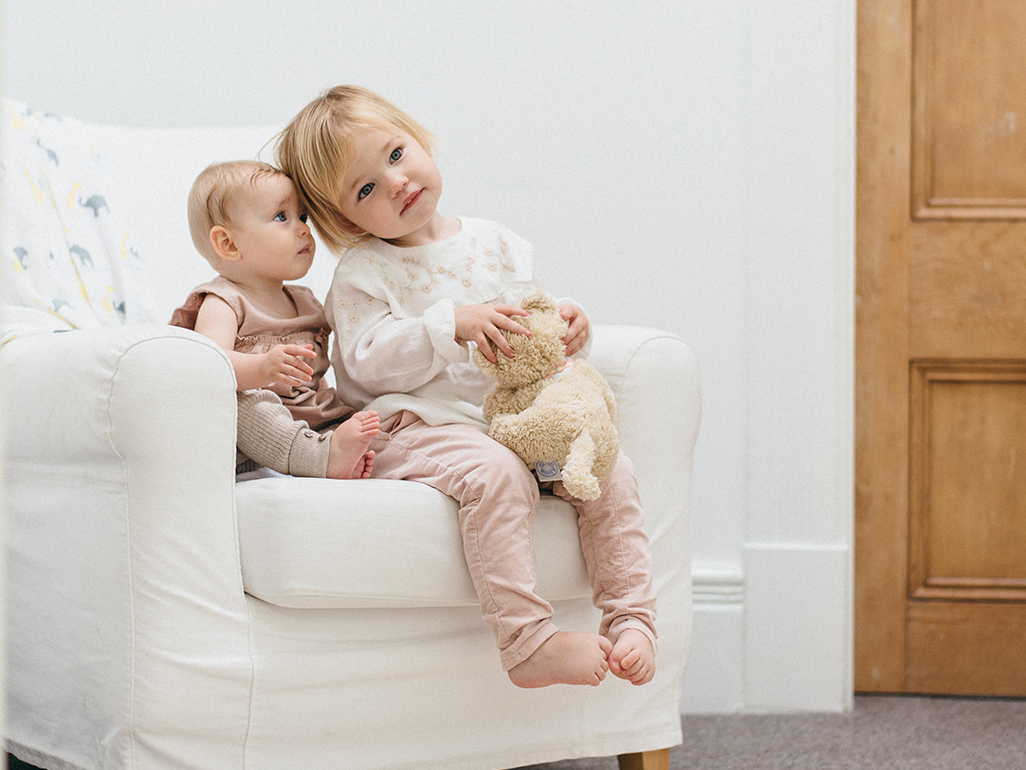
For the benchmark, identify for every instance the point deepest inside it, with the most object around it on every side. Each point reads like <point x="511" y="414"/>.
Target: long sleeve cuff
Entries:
<point x="440" y="322"/>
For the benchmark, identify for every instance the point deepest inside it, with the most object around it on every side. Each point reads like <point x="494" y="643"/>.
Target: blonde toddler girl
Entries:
<point x="412" y="291"/>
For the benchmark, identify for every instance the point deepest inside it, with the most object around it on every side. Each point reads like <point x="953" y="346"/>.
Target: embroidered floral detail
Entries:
<point x="407" y="281"/>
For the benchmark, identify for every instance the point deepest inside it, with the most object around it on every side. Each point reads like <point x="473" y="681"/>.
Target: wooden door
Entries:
<point x="940" y="529"/>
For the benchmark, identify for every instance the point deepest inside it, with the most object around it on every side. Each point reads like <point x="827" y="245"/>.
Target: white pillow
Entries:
<point x="68" y="260"/>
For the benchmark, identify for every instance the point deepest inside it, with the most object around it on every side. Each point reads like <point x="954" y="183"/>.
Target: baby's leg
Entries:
<point x="618" y="555"/>
<point x="268" y="434"/>
<point x="348" y="456"/>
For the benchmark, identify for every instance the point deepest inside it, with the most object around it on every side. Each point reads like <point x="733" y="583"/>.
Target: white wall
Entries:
<point x="685" y="164"/>
<point x="3" y="476"/>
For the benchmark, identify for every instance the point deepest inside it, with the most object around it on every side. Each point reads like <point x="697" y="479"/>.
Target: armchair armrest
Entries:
<point x="121" y="536"/>
<point x="655" y="378"/>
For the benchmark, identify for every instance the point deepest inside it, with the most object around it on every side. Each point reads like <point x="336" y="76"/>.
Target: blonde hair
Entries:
<point x="314" y="149"/>
<point x="212" y="194"/>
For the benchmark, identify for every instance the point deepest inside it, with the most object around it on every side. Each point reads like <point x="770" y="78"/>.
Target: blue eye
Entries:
<point x="280" y="216"/>
<point x="365" y="191"/>
<point x="396" y="154"/>
<point x="302" y="218"/>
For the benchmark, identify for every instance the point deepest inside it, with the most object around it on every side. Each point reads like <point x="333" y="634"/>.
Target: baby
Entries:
<point x="248" y="223"/>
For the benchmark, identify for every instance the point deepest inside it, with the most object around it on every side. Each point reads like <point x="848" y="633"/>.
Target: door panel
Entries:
<point x="967" y="286"/>
<point x="966" y="649"/>
<point x="969" y="129"/>
<point x="966" y="533"/>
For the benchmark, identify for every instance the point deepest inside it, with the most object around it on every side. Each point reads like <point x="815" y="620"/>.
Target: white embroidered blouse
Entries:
<point x="393" y="313"/>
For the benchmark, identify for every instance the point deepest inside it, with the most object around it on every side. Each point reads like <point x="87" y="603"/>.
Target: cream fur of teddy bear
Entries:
<point x="549" y="408"/>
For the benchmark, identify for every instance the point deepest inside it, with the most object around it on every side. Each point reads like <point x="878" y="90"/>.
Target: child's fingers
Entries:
<point x="302" y="366"/>
<point x="289" y="374"/>
<point x="483" y="341"/>
<point x="577" y="331"/>
<point x="505" y="321"/>
<point x="574" y="343"/>
<point x="508" y="310"/>
<point x="486" y="350"/>
<point x="295" y="370"/>
<point x="631" y="661"/>
<point x="496" y="337"/>
<point x="484" y="324"/>
<point x="306" y="351"/>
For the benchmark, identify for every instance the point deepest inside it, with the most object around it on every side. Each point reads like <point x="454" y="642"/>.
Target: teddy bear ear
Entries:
<point x="539" y="301"/>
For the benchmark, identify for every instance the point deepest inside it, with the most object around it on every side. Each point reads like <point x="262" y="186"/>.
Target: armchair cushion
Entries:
<point x="379" y="543"/>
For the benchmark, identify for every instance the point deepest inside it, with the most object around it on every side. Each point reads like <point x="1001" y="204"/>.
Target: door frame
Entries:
<point x="882" y="206"/>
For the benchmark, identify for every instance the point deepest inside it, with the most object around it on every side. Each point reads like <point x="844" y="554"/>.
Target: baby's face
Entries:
<point x="392" y="187"/>
<point x="269" y="227"/>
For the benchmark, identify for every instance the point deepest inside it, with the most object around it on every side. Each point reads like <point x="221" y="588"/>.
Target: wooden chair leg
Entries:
<point x="646" y="760"/>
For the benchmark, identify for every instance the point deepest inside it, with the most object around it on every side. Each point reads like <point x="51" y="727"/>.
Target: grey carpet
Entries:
<point x="882" y="733"/>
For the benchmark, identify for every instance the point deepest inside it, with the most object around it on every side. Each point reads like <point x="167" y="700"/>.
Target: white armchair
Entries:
<point x="163" y="615"/>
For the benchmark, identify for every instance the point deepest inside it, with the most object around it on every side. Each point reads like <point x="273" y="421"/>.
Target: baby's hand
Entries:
<point x="284" y="365"/>
<point x="577" y="335"/>
<point x="481" y="323"/>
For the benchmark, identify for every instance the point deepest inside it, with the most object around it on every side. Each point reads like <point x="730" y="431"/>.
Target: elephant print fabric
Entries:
<point x="67" y="262"/>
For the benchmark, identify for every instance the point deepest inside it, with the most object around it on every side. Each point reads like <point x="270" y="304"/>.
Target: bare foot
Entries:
<point x="632" y="657"/>
<point x="348" y="457"/>
<point x="566" y="657"/>
<point x="363" y="467"/>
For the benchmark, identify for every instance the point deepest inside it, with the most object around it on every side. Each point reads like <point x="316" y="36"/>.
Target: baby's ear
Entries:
<point x="224" y="244"/>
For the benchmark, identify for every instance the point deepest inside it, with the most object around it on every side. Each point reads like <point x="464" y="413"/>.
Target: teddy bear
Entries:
<point x="549" y="409"/>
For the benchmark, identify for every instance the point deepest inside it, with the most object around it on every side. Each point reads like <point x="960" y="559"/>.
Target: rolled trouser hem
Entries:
<point x="526" y="645"/>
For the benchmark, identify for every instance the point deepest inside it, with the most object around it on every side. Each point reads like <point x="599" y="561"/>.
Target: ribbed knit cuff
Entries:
<point x="268" y="434"/>
<point x="308" y="455"/>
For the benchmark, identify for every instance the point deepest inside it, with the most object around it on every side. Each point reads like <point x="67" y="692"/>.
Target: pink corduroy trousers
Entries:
<point x="497" y="495"/>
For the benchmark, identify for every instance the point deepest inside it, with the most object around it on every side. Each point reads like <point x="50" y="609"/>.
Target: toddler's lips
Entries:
<point x="411" y="199"/>
<point x="306" y="249"/>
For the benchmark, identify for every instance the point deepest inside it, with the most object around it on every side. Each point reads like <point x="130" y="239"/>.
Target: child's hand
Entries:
<point x="284" y="365"/>
<point x="577" y="335"/>
<point x="481" y="323"/>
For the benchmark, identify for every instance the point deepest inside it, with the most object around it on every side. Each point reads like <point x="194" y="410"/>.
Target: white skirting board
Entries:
<point x="714" y="682"/>
<point x="774" y="633"/>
